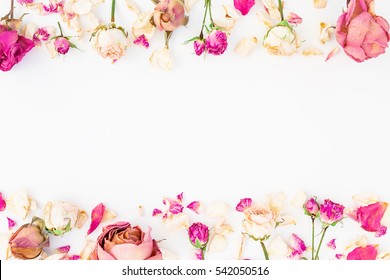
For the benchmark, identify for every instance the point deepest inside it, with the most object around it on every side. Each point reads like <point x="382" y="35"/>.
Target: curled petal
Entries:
<point x="244" y="204"/>
<point x="312" y="51"/>
<point x="96" y="217"/>
<point x="156" y="212"/>
<point x="194" y="206"/>
<point x="294" y="19"/>
<point x="108" y="216"/>
<point x="332" y="53"/>
<point x="179" y="197"/>
<point x="87" y="250"/>
<point x="11" y="223"/>
<point x="161" y="59"/>
<point x="246" y="46"/>
<point x="3" y="204"/>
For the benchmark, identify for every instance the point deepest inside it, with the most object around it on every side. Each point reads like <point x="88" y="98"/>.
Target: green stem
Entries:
<point x="204" y="18"/>
<point x="113" y="11"/>
<point x="312" y="237"/>
<point x="281" y="10"/>
<point x="264" y="250"/>
<point x="319" y="245"/>
<point x="211" y="16"/>
<point x="59" y="25"/>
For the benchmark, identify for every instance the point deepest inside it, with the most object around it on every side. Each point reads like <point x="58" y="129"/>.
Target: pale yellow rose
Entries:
<point x="111" y="43"/>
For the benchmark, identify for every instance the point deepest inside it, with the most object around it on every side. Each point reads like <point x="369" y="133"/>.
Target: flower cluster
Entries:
<point x="120" y="240"/>
<point x="359" y="30"/>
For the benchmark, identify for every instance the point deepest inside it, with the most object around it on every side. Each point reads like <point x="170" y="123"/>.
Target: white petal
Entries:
<point x="87" y="250"/>
<point x="278" y="249"/>
<point x="386" y="217"/>
<point x="133" y="7"/>
<point x="246" y="46"/>
<point x="168" y="255"/>
<point x="320" y="4"/>
<point x="161" y="59"/>
<point x="217" y="244"/>
<point x="298" y="199"/>
<point x="82" y="7"/>
<point x="177" y="222"/>
<point x="364" y="199"/>
<point x="217" y="209"/>
<point x="108" y="215"/>
<point x="231" y="13"/>
<point x="188" y="4"/>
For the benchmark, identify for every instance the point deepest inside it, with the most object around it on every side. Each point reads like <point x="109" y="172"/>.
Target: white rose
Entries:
<point x="259" y="222"/>
<point x="61" y="217"/>
<point x="281" y="40"/>
<point x="20" y="204"/>
<point x="111" y="43"/>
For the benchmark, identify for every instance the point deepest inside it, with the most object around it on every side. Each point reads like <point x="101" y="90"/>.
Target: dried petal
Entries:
<point x="332" y="53"/>
<point x="320" y="4"/>
<point x="298" y="247"/>
<point x="244" y="6"/>
<point x="11" y="223"/>
<point x="363" y="253"/>
<point x="326" y="32"/>
<point x="3" y="204"/>
<point x="278" y="249"/>
<point x="108" y="216"/>
<point x="96" y="217"/>
<point x="168" y="254"/>
<point x="244" y="204"/>
<point x="246" y="46"/>
<point x="175" y="208"/>
<point x="217" y="244"/>
<point x="179" y="197"/>
<point x="312" y="51"/>
<point x="298" y="199"/>
<point x="188" y="4"/>
<point x="87" y="250"/>
<point x="194" y="206"/>
<point x="20" y="204"/>
<point x="294" y="19"/>
<point x="332" y="244"/>
<point x="161" y="59"/>
<point x="156" y="212"/>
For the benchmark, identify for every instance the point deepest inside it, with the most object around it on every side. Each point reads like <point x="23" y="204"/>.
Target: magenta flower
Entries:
<point x="61" y="45"/>
<point x="361" y="33"/>
<point x="22" y="2"/>
<point x="244" y="6"/>
<point x="199" y="235"/>
<point x="244" y="204"/>
<point x="3" y="204"/>
<point x="331" y="213"/>
<point x="216" y="42"/>
<point x="199" y="47"/>
<point x="13" y="48"/>
<point x="370" y="217"/>
<point x="363" y="253"/>
<point x="311" y="207"/>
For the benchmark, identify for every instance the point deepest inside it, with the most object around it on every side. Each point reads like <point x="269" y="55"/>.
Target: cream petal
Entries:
<point x="87" y="250"/>
<point x="133" y="7"/>
<point x="168" y="254"/>
<point x="246" y="46"/>
<point x="311" y="52"/>
<point x="20" y="204"/>
<point x="278" y="249"/>
<point x="162" y="60"/>
<point x="217" y="244"/>
<point x="217" y="209"/>
<point x="82" y="7"/>
<point x="320" y="4"/>
<point x="298" y="200"/>
<point x="364" y="199"/>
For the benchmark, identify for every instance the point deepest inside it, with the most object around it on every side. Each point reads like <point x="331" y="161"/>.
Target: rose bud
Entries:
<point x="121" y="241"/>
<point x="169" y="15"/>
<point x="331" y="213"/>
<point x="61" y="217"/>
<point x="61" y="45"/>
<point x="199" y="235"/>
<point x="311" y="207"/>
<point x="199" y="46"/>
<point x="216" y="42"/>
<point x="361" y="33"/>
<point x="29" y="240"/>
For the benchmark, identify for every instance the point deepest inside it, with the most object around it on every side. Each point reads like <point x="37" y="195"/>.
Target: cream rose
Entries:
<point x="259" y="222"/>
<point x="281" y="40"/>
<point x="111" y="42"/>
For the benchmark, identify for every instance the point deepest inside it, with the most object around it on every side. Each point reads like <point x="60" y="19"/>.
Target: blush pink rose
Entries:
<point x="61" y="45"/>
<point x="13" y="48"/>
<point x="169" y="15"/>
<point x="121" y="241"/>
<point x="216" y="42"/>
<point x="361" y="33"/>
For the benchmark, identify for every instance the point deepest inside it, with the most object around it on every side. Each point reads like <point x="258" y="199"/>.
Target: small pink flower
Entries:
<point x="370" y="217"/>
<point x="298" y="247"/>
<point x="61" y="45"/>
<point x="361" y="33"/>
<point x="142" y="40"/>
<point x="199" y="235"/>
<point x="363" y="253"/>
<point x="294" y="19"/>
<point x="3" y="204"/>
<point x="156" y="212"/>
<point x="194" y="206"/>
<point x="11" y="223"/>
<point x="244" y="204"/>
<point x="216" y="42"/>
<point x="199" y="47"/>
<point x="332" y="244"/>
<point x="176" y="208"/>
<point x="244" y="6"/>
<point x="311" y="207"/>
<point x="331" y="212"/>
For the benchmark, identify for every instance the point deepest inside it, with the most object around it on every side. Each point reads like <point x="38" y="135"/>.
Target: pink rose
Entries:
<point x="121" y="241"/>
<point x="169" y="15"/>
<point x="311" y="207"/>
<point x="244" y="6"/>
<point x="361" y="33"/>
<point x="199" y="47"/>
<point x="216" y="42"/>
<point x="199" y="235"/>
<point x="331" y="212"/>
<point x="62" y="45"/>
<point x="12" y="48"/>
<point x="29" y="240"/>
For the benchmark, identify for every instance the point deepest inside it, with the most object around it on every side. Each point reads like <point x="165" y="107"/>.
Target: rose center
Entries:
<point x="165" y="17"/>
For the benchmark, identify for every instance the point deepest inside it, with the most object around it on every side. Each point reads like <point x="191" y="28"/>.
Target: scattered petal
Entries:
<point x="179" y="197"/>
<point x="217" y="209"/>
<point x="244" y="6"/>
<point x="11" y="223"/>
<point x="96" y="217"/>
<point x="246" y="46"/>
<point x="161" y="59"/>
<point x="168" y="254"/>
<point x="294" y="19"/>
<point x="332" y="244"/>
<point x="217" y="244"/>
<point x="320" y="4"/>
<point x="332" y="53"/>
<point x="312" y="51"/>
<point x="188" y="4"/>
<point x="87" y="250"/>
<point x="363" y="253"/>
<point x="194" y="206"/>
<point x="156" y="212"/>
<point x="175" y="208"/>
<point x="278" y="249"/>
<point x="140" y="210"/>
<point x="298" y="199"/>
<point x="326" y="32"/>
<point x="3" y="204"/>
<point x="298" y="247"/>
<point x="63" y="249"/>
<point x="108" y="216"/>
<point x="244" y="204"/>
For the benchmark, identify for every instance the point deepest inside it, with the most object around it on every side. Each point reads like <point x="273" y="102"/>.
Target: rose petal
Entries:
<point x="87" y="250"/>
<point x="363" y="253"/>
<point x="11" y="223"/>
<point x="298" y="199"/>
<point x="217" y="244"/>
<point x="168" y="254"/>
<point x="294" y="19"/>
<point x="132" y="251"/>
<point x="332" y="244"/>
<point x="63" y="249"/>
<point x="20" y="204"/>
<point x="244" y="6"/>
<point x="3" y="204"/>
<point x="179" y="197"/>
<point x="194" y="206"/>
<point x="246" y="46"/>
<point x="320" y="4"/>
<point x="175" y="208"/>
<point x="312" y="51"/>
<point x="244" y="204"/>
<point x="108" y="216"/>
<point x="156" y="212"/>
<point x="278" y="249"/>
<point x="96" y="217"/>
<point x="332" y="53"/>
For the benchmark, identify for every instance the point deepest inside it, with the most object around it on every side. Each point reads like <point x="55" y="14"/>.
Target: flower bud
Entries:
<point x="199" y="235"/>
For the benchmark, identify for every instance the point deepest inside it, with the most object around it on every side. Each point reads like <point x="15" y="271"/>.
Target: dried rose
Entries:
<point x="169" y="15"/>
<point x="281" y="40"/>
<point x="121" y="241"/>
<point x="216" y="42"/>
<point x="199" y="235"/>
<point x="331" y="213"/>
<point x="311" y="207"/>
<point x="361" y="33"/>
<point x="29" y="240"/>
<point x="61" y="217"/>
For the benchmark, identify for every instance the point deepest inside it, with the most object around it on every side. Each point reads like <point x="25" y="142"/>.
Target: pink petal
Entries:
<point x="176" y="208"/>
<point x="96" y="217"/>
<point x="3" y="204"/>
<point x="103" y="255"/>
<point x="381" y="231"/>
<point x="132" y="251"/>
<point x="11" y="223"/>
<point x="194" y="206"/>
<point x="370" y="217"/>
<point x="332" y="53"/>
<point x="332" y="244"/>
<point x="243" y="204"/>
<point x="294" y="19"/>
<point x="63" y="249"/>
<point x="363" y="253"/>
<point x="244" y="6"/>
<point x="180" y="197"/>
<point x="156" y="212"/>
<point x="339" y="256"/>
<point x="298" y="247"/>
<point x="73" y="258"/>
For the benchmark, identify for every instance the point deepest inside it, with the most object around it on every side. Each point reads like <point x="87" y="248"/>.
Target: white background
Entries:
<point x="82" y="130"/>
